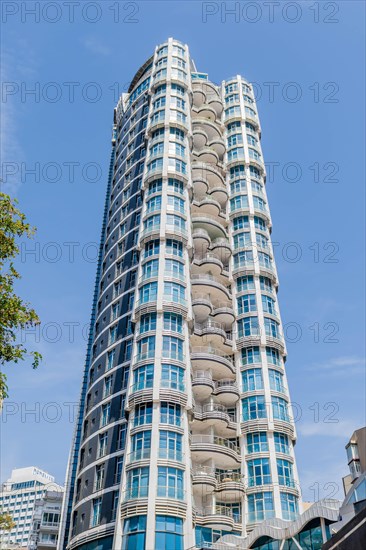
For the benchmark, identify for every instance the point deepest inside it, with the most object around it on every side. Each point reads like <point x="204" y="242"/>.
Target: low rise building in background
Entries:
<point x="33" y="499"/>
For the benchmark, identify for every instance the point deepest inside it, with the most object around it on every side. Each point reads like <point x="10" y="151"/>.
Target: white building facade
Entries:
<point x="21" y="496"/>
<point x="185" y="431"/>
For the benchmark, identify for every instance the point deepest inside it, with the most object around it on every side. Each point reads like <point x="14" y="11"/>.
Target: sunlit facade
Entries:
<point x="185" y="431"/>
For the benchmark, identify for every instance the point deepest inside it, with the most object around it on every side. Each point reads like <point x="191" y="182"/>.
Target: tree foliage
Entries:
<point x="15" y="314"/>
<point x="6" y="522"/>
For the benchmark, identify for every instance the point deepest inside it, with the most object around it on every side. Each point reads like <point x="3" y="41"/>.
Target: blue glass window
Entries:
<point x="272" y="328"/>
<point x="289" y="506"/>
<point x="169" y="533"/>
<point x="174" y="247"/>
<point x="259" y="472"/>
<point x="170" y="445"/>
<point x="242" y="239"/>
<point x="241" y="222"/>
<point x="246" y="303"/>
<point x="143" y="414"/>
<point x="248" y="326"/>
<point x="170" y="483"/>
<point x="252" y="380"/>
<point x="276" y="380"/>
<point x="260" y="506"/>
<point x="150" y="269"/>
<point x="152" y="248"/>
<point x="250" y="355"/>
<point x="285" y="473"/>
<point x="172" y="377"/>
<point x="281" y="443"/>
<point x="280" y="409"/>
<point x="254" y="407"/>
<point x="257" y="442"/>
<point x="147" y="322"/>
<point x="245" y="283"/>
<point x="238" y="202"/>
<point x="243" y="259"/>
<point x="273" y="356"/>
<point x="173" y="322"/>
<point x="268" y="305"/>
<point x="170" y="413"/>
<point x="259" y="223"/>
<point x="137" y="483"/>
<point x="141" y="445"/>
<point x="143" y="377"/>
<point x="134" y="533"/>
<point x="149" y="292"/>
<point x="146" y="348"/>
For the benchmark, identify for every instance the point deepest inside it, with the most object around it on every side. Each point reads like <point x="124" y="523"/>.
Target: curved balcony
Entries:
<point x="202" y="385"/>
<point x="205" y="305"/>
<point x="214" y="225"/>
<point x="202" y="241"/>
<point x="199" y="95"/>
<point x="209" y="264"/>
<point x="227" y="391"/>
<point x="213" y="332"/>
<point x="218" y="516"/>
<point x="203" y="138"/>
<point x="207" y="205"/>
<point x="213" y="414"/>
<point x="206" y="154"/>
<point x="223" y="313"/>
<point x="219" y="194"/>
<point x="221" y="247"/>
<point x="209" y="173"/>
<point x="206" y="284"/>
<point x="175" y="231"/>
<point x="205" y="111"/>
<point x="203" y="480"/>
<point x="230" y="487"/>
<point x="205" y="447"/>
<point x="263" y="213"/>
<point x="211" y="129"/>
<point x="208" y="357"/>
<point x="243" y="268"/>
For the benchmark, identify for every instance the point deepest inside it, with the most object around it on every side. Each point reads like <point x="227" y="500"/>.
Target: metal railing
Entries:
<point x="208" y="439"/>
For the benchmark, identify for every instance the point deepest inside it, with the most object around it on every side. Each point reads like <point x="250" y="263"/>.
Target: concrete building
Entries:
<point x="46" y="521"/>
<point x="185" y="430"/>
<point x="350" y="529"/>
<point x="23" y="496"/>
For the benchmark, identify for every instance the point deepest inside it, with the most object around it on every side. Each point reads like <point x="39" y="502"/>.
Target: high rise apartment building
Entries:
<point x="185" y="431"/>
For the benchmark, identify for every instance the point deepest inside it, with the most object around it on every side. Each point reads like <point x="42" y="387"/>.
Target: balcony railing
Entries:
<point x="171" y="454"/>
<point x="165" y="491"/>
<point x="212" y="351"/>
<point x="173" y="385"/>
<point x="142" y="385"/>
<point x="139" y="454"/>
<point x="136" y="492"/>
<point x="208" y="439"/>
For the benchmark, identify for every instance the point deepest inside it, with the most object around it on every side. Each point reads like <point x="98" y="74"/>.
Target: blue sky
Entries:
<point x="309" y="76"/>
